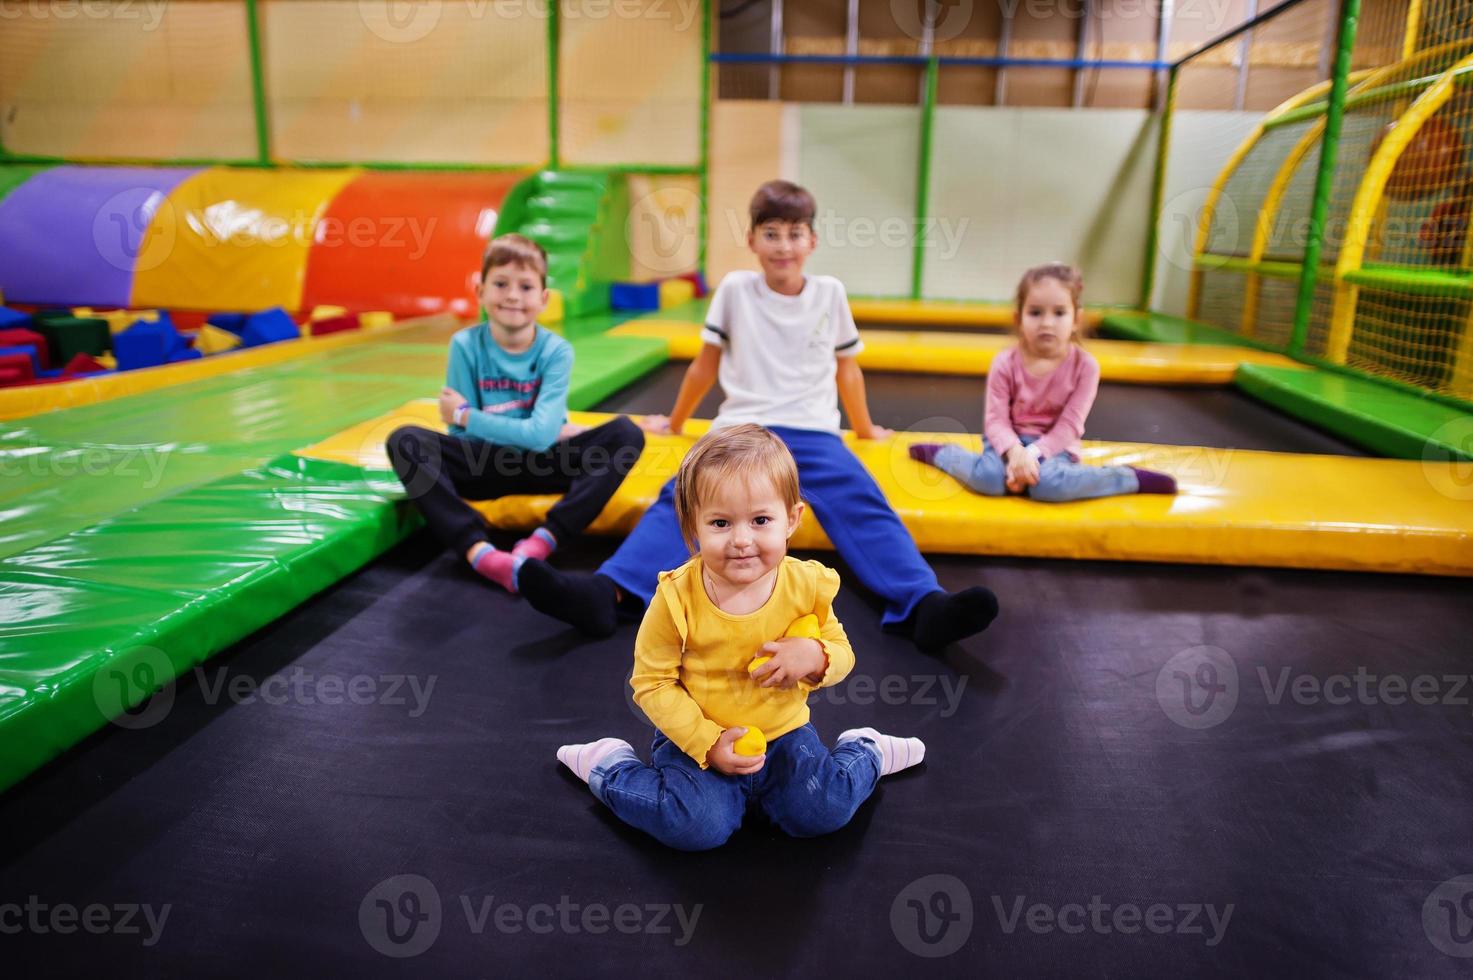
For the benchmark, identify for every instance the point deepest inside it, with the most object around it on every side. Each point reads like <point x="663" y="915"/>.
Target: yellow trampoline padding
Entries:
<point x="938" y="352"/>
<point x="234" y="239"/>
<point x="1235" y="507"/>
<point x="16" y="403"/>
<point x="923" y="312"/>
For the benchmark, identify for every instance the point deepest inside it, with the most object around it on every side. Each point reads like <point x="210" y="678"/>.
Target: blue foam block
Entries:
<point x="146" y="344"/>
<point x="268" y="327"/>
<point x="635" y="296"/>
<point x="13" y="319"/>
<point x="234" y="322"/>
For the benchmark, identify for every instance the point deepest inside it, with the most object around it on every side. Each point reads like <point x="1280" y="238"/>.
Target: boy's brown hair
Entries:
<point x="782" y="200"/>
<point x="738" y="452"/>
<point x="517" y="250"/>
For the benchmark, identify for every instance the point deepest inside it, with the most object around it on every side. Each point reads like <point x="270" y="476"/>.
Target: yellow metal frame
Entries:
<point x="1214" y="194"/>
<point x="1267" y="213"/>
<point x="1414" y="27"/>
<point x="1368" y="195"/>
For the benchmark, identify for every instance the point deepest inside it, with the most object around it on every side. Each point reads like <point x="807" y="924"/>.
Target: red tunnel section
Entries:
<point x="409" y="243"/>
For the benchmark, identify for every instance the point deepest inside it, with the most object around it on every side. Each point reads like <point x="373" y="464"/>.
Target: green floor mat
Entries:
<point x="94" y="622"/>
<point x="1163" y="329"/>
<point x="1376" y="416"/>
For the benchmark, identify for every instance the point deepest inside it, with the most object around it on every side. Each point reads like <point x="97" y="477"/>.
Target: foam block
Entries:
<point x="325" y="312"/>
<point x="233" y="322"/>
<point x="635" y="296"/>
<point x="268" y="327"/>
<point x="334" y="324"/>
<point x="27" y="349"/>
<point x="13" y="319"/>
<point x="215" y="340"/>
<point x="376" y="320"/>
<point x="82" y="364"/>
<point x="18" y="337"/>
<point x="17" y="368"/>
<point x="676" y="292"/>
<point x="146" y="344"/>
<point x="66" y="335"/>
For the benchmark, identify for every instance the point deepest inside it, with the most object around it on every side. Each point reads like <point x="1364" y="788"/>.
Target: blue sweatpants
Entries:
<point x="848" y="505"/>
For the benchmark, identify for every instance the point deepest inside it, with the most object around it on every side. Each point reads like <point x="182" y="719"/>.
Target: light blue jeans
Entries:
<point x="805" y="788"/>
<point x="1060" y="477"/>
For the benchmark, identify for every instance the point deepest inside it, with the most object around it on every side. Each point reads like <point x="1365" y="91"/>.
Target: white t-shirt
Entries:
<point x="778" y="352"/>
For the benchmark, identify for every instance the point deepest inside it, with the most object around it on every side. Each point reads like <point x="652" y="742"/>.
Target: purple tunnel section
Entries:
<point x="72" y="235"/>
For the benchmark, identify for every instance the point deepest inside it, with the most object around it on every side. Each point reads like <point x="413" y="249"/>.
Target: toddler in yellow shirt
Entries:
<point x="737" y="500"/>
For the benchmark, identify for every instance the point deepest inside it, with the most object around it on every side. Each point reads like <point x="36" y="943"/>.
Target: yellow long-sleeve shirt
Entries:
<point x="690" y="658"/>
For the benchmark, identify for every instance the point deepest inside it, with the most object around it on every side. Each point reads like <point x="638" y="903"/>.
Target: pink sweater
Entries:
<point x="1052" y="407"/>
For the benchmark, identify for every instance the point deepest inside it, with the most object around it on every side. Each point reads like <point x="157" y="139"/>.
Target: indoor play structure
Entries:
<point x="220" y="297"/>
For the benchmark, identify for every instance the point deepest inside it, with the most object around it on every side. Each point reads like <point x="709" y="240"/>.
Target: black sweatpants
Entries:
<point x="440" y="472"/>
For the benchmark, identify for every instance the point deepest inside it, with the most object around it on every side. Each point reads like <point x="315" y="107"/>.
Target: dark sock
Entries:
<point x="587" y="602"/>
<point x="942" y="618"/>
<point x="1153" y="482"/>
<point x="924" y="452"/>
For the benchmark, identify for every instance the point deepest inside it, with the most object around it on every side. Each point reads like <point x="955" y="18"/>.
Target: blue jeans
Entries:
<point x="848" y="504"/>
<point x="804" y="788"/>
<point x="1060" y="477"/>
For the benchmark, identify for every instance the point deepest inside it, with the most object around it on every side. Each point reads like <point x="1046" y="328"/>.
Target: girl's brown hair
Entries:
<point x="1065" y="275"/>
<point x="722" y="456"/>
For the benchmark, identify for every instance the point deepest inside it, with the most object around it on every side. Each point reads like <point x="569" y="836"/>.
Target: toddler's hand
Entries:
<point x="450" y="401"/>
<point x="657" y="424"/>
<point x="1022" y="471"/>
<point x="569" y="430"/>
<point x="724" y="759"/>
<point x="878" y="432"/>
<point x="794" y="658"/>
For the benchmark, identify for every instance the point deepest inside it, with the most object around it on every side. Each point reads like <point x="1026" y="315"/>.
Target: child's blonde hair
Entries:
<point x="1066" y="275"/>
<point x="738" y="452"/>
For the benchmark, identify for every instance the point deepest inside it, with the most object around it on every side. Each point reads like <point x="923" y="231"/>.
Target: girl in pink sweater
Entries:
<point x="1038" y="396"/>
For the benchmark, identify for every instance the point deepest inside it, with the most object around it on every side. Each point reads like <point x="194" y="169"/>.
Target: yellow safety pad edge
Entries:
<point x="922" y="312"/>
<point x="19" y="402"/>
<point x="234" y="239"/>
<point x="936" y="352"/>
<point x="1236" y="507"/>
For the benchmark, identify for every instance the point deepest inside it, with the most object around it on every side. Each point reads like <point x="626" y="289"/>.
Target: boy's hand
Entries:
<point x="569" y="430"/>
<point x="450" y="401"/>
<point x="794" y="658"/>
<point x="724" y="759"/>
<point x="658" y="425"/>
<point x="875" y="432"/>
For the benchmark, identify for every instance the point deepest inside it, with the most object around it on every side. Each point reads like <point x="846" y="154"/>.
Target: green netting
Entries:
<point x="1221" y="301"/>
<point x="1236" y="215"/>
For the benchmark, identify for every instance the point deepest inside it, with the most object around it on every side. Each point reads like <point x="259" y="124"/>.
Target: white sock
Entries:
<point x="583" y="758"/>
<point x="895" y="753"/>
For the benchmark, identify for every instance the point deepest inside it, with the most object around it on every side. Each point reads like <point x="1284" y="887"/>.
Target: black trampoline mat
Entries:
<point x="1222" y="418"/>
<point x="1056" y="777"/>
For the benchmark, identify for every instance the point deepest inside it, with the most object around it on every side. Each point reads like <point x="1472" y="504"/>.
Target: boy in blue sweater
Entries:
<point x="505" y="402"/>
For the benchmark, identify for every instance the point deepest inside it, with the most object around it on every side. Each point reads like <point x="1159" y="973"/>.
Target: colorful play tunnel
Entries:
<point x="222" y="238"/>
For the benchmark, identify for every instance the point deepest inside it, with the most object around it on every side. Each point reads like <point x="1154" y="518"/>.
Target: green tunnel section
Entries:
<point x="580" y="219"/>
<point x="145" y="534"/>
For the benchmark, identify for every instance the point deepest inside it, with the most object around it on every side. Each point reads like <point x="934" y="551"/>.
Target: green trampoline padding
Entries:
<point x="1379" y="417"/>
<point x="144" y="534"/>
<point x="1162" y="329"/>
<point x="97" y="620"/>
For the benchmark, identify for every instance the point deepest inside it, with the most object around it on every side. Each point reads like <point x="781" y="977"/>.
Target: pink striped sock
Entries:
<point x="539" y="544"/>
<point x="498" y="566"/>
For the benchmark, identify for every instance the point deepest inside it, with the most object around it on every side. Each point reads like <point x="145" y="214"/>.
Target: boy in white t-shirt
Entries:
<point x="782" y="345"/>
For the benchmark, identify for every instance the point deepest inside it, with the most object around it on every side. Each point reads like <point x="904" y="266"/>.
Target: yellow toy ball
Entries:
<point x="806" y="627"/>
<point x="752" y="743"/>
<point x="752" y="667"/>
